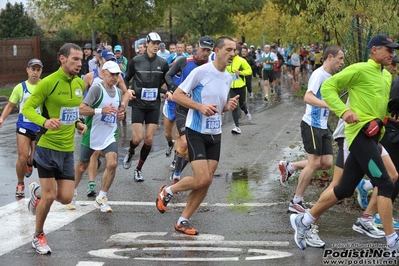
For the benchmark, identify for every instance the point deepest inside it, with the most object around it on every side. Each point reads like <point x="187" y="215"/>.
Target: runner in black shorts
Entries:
<point x="26" y="130"/>
<point x="176" y="75"/>
<point x="148" y="73"/>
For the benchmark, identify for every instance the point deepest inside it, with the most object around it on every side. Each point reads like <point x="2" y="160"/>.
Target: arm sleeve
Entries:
<point x="130" y="73"/>
<point x="330" y="88"/>
<point x="16" y="95"/>
<point x="178" y="66"/>
<point x="246" y="68"/>
<point x="92" y="95"/>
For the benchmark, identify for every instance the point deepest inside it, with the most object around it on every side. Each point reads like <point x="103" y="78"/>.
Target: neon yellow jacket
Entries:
<point x="368" y="87"/>
<point x="241" y="65"/>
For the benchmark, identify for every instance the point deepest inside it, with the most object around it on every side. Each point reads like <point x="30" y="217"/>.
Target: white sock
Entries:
<point x="169" y="191"/>
<point x="298" y="199"/>
<point x="102" y="193"/>
<point x="75" y="192"/>
<point x="367" y="185"/>
<point x="181" y="219"/>
<point x="290" y="168"/>
<point x="307" y="219"/>
<point x="391" y="239"/>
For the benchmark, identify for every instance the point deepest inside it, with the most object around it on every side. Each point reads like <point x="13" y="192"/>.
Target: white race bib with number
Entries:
<point x="69" y="115"/>
<point x="211" y="125"/>
<point x="149" y="94"/>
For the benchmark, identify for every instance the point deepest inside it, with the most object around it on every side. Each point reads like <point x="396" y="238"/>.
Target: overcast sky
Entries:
<point x="3" y="2"/>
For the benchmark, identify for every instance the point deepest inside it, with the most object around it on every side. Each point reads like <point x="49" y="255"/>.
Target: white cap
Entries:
<point x="112" y="67"/>
<point x="153" y="36"/>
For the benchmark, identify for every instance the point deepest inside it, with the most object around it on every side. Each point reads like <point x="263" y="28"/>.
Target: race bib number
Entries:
<point x="212" y="124"/>
<point x="69" y="115"/>
<point x="235" y="77"/>
<point x="108" y="119"/>
<point x="149" y="94"/>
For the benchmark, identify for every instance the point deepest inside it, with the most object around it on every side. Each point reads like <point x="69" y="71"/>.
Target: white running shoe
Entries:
<point x="39" y="243"/>
<point x="249" y="116"/>
<point x="312" y="237"/>
<point x="72" y="206"/>
<point x="102" y="204"/>
<point x="236" y="130"/>
<point x="367" y="228"/>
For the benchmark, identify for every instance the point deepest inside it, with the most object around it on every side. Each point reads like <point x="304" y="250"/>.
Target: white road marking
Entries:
<point x="20" y="224"/>
<point x="90" y="263"/>
<point x="204" y="243"/>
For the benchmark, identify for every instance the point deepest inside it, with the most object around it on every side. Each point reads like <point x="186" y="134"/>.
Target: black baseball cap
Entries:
<point x="382" y="40"/>
<point x="205" y="42"/>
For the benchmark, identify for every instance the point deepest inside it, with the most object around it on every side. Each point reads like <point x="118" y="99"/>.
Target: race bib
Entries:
<point x="235" y="77"/>
<point x="211" y="124"/>
<point x="69" y="115"/>
<point x="108" y="119"/>
<point x="149" y="94"/>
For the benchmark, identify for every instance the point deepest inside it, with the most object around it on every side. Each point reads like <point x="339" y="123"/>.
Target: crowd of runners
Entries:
<point x="95" y="85"/>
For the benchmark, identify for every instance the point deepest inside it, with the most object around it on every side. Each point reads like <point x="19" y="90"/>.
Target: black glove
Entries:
<point x="372" y="127"/>
<point x="393" y="107"/>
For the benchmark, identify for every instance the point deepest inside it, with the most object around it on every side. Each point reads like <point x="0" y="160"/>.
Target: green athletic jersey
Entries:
<point x="60" y="97"/>
<point x="368" y="91"/>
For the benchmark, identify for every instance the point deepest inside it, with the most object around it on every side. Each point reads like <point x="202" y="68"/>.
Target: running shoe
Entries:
<point x="169" y="149"/>
<point x="72" y="205"/>
<point x="91" y="190"/>
<point x="378" y="222"/>
<point x="137" y="176"/>
<point x="271" y="91"/>
<point x="266" y="99"/>
<point x="236" y="130"/>
<point x="250" y="95"/>
<point x="300" y="230"/>
<point x="299" y="207"/>
<point x="20" y="191"/>
<point x="102" y="204"/>
<point x="29" y="170"/>
<point x="367" y="228"/>
<point x="39" y="243"/>
<point x="127" y="160"/>
<point x="284" y="173"/>
<point x="185" y="228"/>
<point x="394" y="250"/>
<point x="34" y="200"/>
<point x="162" y="199"/>
<point x="362" y="194"/>
<point x="312" y="237"/>
<point x="249" y="116"/>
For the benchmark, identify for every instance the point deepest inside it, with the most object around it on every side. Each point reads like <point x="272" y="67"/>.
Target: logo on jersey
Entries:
<point x="63" y="93"/>
<point x="78" y="92"/>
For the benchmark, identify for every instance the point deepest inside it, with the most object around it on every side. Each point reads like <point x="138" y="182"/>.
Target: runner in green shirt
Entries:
<point x="368" y="86"/>
<point x="59" y="96"/>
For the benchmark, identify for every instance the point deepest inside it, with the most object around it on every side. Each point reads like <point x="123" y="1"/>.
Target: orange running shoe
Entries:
<point x="29" y="170"/>
<point x="20" y="190"/>
<point x="162" y="199"/>
<point x="185" y="228"/>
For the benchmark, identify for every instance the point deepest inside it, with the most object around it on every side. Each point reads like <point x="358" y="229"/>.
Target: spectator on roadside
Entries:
<point x="163" y="52"/>
<point x="94" y="62"/>
<point x="120" y="59"/>
<point x="87" y="56"/>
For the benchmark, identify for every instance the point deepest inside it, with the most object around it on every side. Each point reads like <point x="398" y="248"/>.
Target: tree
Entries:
<point x="112" y="18"/>
<point x="210" y="17"/>
<point x="15" y="22"/>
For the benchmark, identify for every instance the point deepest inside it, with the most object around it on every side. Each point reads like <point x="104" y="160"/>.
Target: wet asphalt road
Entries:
<point x="243" y="220"/>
